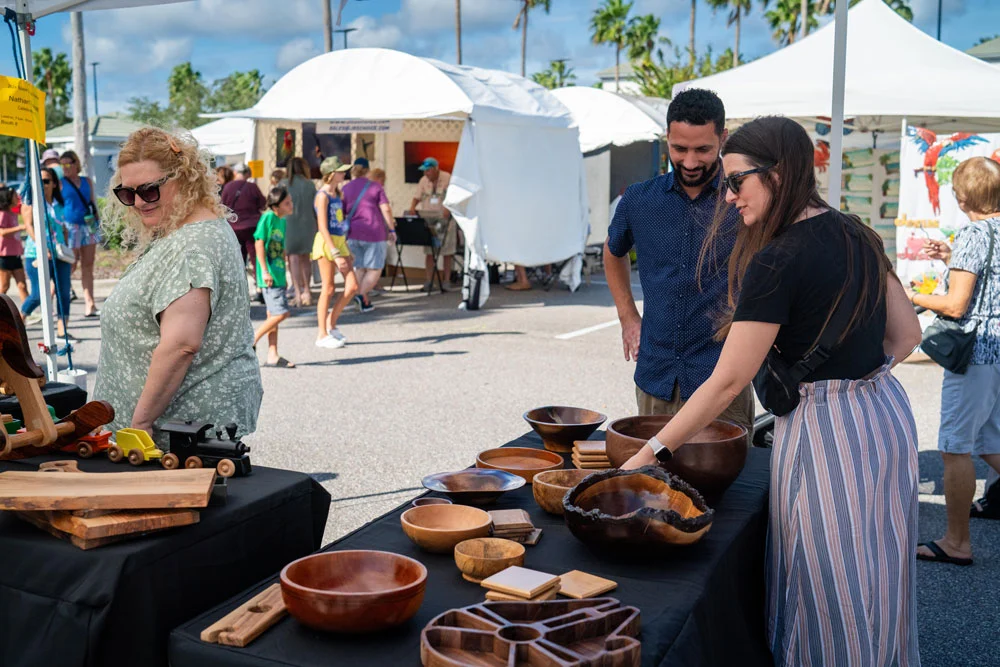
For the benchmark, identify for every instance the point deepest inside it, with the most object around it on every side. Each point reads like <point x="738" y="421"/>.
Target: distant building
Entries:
<point x="107" y="134"/>
<point x="988" y="51"/>
<point x="628" y="82"/>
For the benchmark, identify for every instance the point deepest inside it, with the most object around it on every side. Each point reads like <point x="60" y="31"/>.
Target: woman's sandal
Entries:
<point x="281" y="363"/>
<point x="940" y="556"/>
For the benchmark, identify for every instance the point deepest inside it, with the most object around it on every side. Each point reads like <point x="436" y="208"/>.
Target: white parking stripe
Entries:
<point x="582" y="332"/>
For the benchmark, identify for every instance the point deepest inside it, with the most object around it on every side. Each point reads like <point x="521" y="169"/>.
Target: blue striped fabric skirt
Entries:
<point x="843" y="527"/>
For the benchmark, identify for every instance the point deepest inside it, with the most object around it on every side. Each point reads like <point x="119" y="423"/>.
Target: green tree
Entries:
<point x="51" y="73"/>
<point x="558" y="75"/>
<point x="642" y="36"/>
<point x="737" y="10"/>
<point x="983" y="40"/>
<point x="239" y="90"/>
<point x="901" y="7"/>
<point x="609" y="25"/>
<point x="784" y="20"/>
<point x="146" y="111"/>
<point x="658" y="76"/>
<point x="187" y="94"/>
<point x="522" y="21"/>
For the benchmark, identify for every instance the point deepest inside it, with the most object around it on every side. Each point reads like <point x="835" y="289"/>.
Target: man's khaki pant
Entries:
<point x="740" y="411"/>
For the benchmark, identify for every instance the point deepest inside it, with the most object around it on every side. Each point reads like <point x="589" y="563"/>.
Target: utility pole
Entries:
<point x="327" y="27"/>
<point x="96" y="112"/>
<point x="940" y="3"/>
<point x="344" y="32"/>
<point x="458" y="30"/>
<point x="81" y="129"/>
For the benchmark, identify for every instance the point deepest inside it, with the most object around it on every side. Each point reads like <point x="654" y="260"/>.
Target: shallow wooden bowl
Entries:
<point x="423" y="502"/>
<point x="485" y="556"/>
<point x="474" y="486"/>
<point x="522" y="461"/>
<point x="353" y="591"/>
<point x="551" y="486"/>
<point x="709" y="462"/>
<point x="438" y="528"/>
<point x="560" y="425"/>
<point x="643" y="507"/>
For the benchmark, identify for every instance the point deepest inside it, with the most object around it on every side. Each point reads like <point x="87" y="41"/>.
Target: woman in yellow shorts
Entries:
<point x="331" y="252"/>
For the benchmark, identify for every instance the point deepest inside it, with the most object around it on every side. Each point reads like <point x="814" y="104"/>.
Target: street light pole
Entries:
<point x="344" y="32"/>
<point x="96" y="112"/>
<point x="940" y="3"/>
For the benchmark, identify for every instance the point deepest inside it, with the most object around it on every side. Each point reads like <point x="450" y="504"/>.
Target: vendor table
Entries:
<point x="115" y="605"/>
<point x="701" y="605"/>
<point x="63" y="397"/>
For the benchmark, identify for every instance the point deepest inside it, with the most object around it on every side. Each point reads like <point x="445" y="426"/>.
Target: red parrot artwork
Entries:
<point x="821" y="155"/>
<point x="932" y="149"/>
<point x="996" y="155"/>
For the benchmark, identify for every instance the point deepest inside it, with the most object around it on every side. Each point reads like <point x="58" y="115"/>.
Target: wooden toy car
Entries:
<point x="192" y="445"/>
<point x="136" y="445"/>
<point x="89" y="445"/>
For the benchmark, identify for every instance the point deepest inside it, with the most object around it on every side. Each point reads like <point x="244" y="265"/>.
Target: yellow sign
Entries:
<point x="22" y="110"/>
<point x="256" y="168"/>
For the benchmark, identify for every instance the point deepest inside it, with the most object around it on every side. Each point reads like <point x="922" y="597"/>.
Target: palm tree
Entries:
<point x="52" y="73"/>
<point x="458" y="30"/>
<point x="522" y="21"/>
<point x="694" y="7"/>
<point x="609" y="25"/>
<point x="784" y="20"/>
<point x="558" y="75"/>
<point x="738" y="9"/>
<point x="641" y="37"/>
<point x="901" y="7"/>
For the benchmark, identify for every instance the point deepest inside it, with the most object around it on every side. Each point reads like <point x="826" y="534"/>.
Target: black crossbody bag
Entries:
<point x="777" y="383"/>
<point x="946" y="341"/>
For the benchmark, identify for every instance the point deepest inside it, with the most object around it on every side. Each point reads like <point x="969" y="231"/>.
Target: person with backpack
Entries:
<point x="82" y="224"/>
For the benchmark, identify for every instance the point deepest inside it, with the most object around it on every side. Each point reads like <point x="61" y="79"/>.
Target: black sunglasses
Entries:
<point x="46" y="181"/>
<point x="148" y="192"/>
<point x="734" y="181"/>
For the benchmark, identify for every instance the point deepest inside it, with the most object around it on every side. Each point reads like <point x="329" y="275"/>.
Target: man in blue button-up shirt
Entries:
<point x="667" y="220"/>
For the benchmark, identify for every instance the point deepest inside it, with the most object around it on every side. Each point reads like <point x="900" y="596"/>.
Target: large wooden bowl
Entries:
<point x="643" y="507"/>
<point x="521" y="461"/>
<point x="485" y="556"/>
<point x="438" y="528"/>
<point x="353" y="591"/>
<point x="709" y="462"/>
<point x="551" y="486"/>
<point x="560" y="426"/>
<point x="474" y="486"/>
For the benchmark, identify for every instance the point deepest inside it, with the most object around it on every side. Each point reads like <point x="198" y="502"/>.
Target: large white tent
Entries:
<point x="229" y="139"/>
<point x="518" y="189"/>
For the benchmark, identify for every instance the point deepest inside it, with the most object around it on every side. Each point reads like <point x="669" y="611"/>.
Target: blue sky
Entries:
<point x="137" y="48"/>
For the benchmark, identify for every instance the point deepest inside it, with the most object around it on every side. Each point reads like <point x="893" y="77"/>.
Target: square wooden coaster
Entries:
<point x="591" y="447"/>
<point x="504" y="520"/>
<point x="548" y="594"/>
<point x="577" y="584"/>
<point x="587" y="465"/>
<point x="520" y="581"/>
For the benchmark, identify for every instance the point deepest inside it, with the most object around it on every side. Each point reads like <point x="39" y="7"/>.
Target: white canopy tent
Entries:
<point x="231" y="139"/>
<point x="518" y="189"/>
<point x="27" y="12"/>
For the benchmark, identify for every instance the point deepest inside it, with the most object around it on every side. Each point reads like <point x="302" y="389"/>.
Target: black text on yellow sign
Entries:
<point x="22" y="110"/>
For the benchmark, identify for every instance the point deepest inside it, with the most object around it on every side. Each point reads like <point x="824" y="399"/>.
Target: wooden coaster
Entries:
<point x="530" y="539"/>
<point x="590" y="457"/>
<point x="577" y="584"/>
<point x="507" y="520"/>
<point x="245" y="623"/>
<point x="548" y="594"/>
<point x="586" y="465"/>
<point x="590" y="447"/>
<point x="520" y="581"/>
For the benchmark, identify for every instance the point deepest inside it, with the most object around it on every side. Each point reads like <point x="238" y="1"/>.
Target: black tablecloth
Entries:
<point x="702" y="605"/>
<point x="63" y="397"/>
<point x="116" y="605"/>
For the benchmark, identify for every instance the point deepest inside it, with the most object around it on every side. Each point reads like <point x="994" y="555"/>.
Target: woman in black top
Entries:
<point x="843" y="508"/>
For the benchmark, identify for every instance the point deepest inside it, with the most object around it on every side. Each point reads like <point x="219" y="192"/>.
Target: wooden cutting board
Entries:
<point x="125" y="522"/>
<point x="520" y="581"/>
<point x="577" y="584"/>
<point x="155" y="489"/>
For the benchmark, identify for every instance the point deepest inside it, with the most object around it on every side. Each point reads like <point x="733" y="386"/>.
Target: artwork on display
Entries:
<point x="415" y="152"/>
<point x="285" y="148"/>
<point x="317" y="147"/>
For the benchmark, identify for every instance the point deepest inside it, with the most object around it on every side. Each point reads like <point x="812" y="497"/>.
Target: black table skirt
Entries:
<point x="702" y="605"/>
<point x="115" y="605"/>
<point x="63" y="397"/>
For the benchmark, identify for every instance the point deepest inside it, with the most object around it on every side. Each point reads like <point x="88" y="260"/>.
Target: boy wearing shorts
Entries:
<point x="269" y="240"/>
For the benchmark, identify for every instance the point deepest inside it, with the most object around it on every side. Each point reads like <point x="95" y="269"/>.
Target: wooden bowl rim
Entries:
<point x="540" y="454"/>
<point x="596" y="423"/>
<point x="541" y="480"/>
<point x="511" y="482"/>
<point x="404" y="590"/>
<point x="742" y="429"/>
<point x="520" y="551"/>
<point x="446" y="531"/>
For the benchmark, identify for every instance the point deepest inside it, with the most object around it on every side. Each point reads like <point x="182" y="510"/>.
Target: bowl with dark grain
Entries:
<point x="710" y="461"/>
<point x="473" y="486"/>
<point x="560" y="426"/>
<point x="551" y="486"/>
<point x="353" y="591"/>
<point x="522" y="461"/>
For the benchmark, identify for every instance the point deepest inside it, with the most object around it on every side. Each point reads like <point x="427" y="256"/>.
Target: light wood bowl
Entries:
<point x="522" y="461"/>
<point x="438" y="528"/>
<point x="551" y="486"/>
<point x="485" y="556"/>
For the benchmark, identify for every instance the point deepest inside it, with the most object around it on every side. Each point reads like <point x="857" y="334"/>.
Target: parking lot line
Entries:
<point x="582" y="332"/>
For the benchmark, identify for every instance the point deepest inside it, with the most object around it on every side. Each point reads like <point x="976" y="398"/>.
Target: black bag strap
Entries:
<point x="828" y="338"/>
<point x="357" y="202"/>
<point x="84" y="200"/>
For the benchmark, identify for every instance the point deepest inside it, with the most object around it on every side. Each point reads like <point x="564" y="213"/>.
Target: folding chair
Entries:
<point x="414" y="231"/>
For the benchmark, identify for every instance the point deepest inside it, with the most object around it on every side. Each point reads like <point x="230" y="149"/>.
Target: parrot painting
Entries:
<point x="932" y="148"/>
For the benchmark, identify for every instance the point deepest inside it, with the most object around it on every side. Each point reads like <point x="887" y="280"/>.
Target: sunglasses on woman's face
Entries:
<point x="148" y="192"/>
<point x="46" y="181"/>
<point x="734" y="181"/>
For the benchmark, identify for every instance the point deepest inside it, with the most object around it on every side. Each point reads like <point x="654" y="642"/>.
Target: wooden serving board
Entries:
<point x="125" y="522"/>
<point x="248" y="621"/>
<point x="155" y="489"/>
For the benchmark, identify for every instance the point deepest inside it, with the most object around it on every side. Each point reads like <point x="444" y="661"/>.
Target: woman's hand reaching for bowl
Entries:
<point x="643" y="457"/>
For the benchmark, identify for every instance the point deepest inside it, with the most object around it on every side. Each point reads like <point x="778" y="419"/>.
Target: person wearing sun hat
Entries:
<point x="331" y="253"/>
<point x="429" y="200"/>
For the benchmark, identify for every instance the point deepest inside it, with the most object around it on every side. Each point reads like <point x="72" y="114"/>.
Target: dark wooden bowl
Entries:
<point x="561" y="426"/>
<point x="353" y="591"/>
<point x="551" y="486"/>
<point x="522" y="461"/>
<point x="644" y="507"/>
<point x="709" y="462"/>
<point x="474" y="486"/>
<point x="438" y="528"/>
<point x="421" y="502"/>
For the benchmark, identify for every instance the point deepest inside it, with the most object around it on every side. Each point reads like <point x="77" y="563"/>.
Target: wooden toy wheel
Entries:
<point x="193" y="462"/>
<point x="84" y="450"/>
<point x="135" y="457"/>
<point x="171" y="461"/>
<point x="115" y="453"/>
<point x="226" y="468"/>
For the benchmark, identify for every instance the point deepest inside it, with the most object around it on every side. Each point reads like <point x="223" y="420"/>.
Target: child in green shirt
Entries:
<point x="269" y="240"/>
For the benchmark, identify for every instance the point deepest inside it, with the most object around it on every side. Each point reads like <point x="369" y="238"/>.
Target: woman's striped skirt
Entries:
<point x="843" y="527"/>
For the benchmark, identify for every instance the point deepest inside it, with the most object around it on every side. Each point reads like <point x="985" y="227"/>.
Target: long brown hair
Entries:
<point x="297" y="166"/>
<point x="781" y="143"/>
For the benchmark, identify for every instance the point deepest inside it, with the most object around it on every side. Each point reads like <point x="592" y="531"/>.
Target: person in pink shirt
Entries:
<point x="11" y="247"/>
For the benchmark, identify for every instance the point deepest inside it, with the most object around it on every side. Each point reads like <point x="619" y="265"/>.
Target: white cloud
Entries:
<point x="430" y="16"/>
<point x="927" y="10"/>
<point x="373" y="33"/>
<point x="296" y="52"/>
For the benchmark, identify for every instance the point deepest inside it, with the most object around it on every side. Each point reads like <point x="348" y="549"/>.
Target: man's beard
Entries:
<point x="705" y="175"/>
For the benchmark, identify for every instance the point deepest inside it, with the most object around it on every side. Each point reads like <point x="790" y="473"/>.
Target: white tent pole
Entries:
<point x="837" y="110"/>
<point x="38" y="212"/>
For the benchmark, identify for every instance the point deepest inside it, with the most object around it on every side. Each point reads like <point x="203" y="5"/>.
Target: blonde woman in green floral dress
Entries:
<point x="176" y="338"/>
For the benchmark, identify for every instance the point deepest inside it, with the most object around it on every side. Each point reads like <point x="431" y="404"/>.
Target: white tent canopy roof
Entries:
<point x="607" y="118"/>
<point x="40" y="8"/>
<point x="226" y="136"/>
<point x="893" y="70"/>
<point x="379" y="84"/>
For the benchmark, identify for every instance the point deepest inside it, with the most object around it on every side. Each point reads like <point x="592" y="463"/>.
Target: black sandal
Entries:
<point x="940" y="556"/>
<point x="987" y="507"/>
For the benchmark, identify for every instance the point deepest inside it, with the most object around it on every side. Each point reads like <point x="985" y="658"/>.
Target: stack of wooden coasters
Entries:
<point x="520" y="584"/>
<point x="590" y="454"/>
<point x="515" y="525"/>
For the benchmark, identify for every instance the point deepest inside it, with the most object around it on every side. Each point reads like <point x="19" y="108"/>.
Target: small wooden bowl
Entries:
<point x="560" y="426"/>
<point x="423" y="502"/>
<point x="438" y="528"/>
<point x="474" y="486"/>
<point x="522" y="461"/>
<point x="551" y="486"/>
<point x="353" y="591"/>
<point x="485" y="556"/>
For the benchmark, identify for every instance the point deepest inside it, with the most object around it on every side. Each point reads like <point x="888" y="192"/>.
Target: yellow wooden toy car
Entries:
<point x="134" y="444"/>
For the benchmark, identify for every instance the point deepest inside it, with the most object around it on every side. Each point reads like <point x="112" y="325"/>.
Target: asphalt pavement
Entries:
<point x="422" y="387"/>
